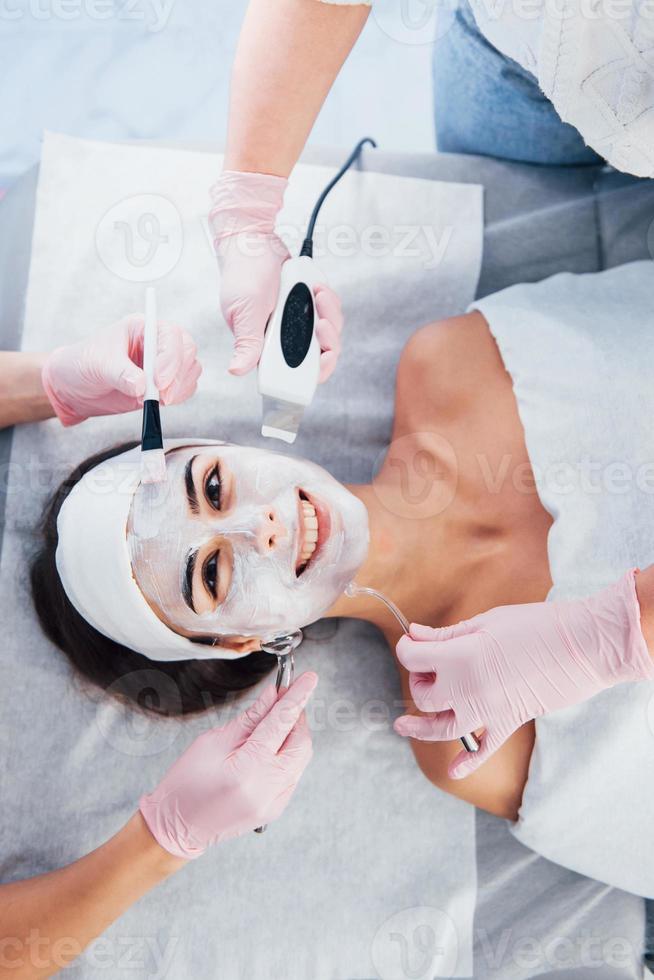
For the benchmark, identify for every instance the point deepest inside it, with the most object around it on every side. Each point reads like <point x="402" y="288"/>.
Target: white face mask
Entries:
<point x="244" y="542"/>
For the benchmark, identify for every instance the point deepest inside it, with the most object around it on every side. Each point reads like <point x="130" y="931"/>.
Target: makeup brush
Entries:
<point x="153" y="460"/>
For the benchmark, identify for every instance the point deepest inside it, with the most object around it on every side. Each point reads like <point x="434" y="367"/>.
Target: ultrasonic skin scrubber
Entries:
<point x="290" y="360"/>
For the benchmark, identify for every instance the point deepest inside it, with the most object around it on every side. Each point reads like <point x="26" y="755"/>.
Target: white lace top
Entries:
<point x="594" y="59"/>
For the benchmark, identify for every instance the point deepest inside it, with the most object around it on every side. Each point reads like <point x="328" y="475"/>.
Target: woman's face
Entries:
<point x="244" y="542"/>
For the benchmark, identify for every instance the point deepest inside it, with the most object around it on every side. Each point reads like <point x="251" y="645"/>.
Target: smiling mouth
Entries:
<point x="313" y="531"/>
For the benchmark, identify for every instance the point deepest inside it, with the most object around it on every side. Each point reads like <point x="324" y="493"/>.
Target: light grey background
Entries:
<point x="125" y="77"/>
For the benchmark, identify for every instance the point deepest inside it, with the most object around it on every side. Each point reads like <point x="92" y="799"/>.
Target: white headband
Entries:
<point x="94" y="564"/>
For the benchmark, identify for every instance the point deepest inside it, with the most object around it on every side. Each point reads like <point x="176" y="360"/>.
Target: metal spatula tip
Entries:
<point x="281" y="419"/>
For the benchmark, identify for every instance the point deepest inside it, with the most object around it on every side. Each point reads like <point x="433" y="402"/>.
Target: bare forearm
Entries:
<point x="289" y="53"/>
<point x="22" y="397"/>
<point x="47" y="921"/>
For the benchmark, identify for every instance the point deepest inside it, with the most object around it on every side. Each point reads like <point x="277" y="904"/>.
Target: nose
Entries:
<point x="271" y="530"/>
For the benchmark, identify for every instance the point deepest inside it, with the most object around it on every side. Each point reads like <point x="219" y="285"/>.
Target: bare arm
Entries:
<point x="289" y="53"/>
<point x="47" y="921"/>
<point x="22" y="398"/>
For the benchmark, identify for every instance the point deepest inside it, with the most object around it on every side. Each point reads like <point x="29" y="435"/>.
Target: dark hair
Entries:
<point x="178" y="687"/>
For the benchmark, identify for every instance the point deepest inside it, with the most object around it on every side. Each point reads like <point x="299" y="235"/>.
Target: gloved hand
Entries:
<point x="235" y="778"/>
<point x="514" y="663"/>
<point x="103" y="376"/>
<point x="250" y="257"/>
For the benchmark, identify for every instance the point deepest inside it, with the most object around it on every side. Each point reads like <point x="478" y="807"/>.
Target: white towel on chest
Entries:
<point x="580" y="350"/>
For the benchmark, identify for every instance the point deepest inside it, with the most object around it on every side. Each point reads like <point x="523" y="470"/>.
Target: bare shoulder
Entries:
<point x="452" y="383"/>
<point x="452" y="338"/>
<point x="446" y="368"/>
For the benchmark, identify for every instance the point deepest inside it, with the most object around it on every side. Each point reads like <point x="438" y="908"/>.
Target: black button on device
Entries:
<point x="297" y="325"/>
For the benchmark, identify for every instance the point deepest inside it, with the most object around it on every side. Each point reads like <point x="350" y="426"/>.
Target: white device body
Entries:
<point x="288" y="383"/>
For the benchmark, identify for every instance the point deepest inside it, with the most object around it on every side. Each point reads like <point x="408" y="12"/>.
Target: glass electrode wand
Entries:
<point x="469" y="742"/>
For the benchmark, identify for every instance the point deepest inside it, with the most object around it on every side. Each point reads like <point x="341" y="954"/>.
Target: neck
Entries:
<point x="401" y="564"/>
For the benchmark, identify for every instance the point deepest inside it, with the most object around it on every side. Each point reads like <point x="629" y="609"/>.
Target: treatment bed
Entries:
<point x="532" y="918"/>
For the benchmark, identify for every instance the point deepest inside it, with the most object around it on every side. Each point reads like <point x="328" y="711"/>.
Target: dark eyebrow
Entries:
<point x="187" y="582"/>
<point x="191" y="494"/>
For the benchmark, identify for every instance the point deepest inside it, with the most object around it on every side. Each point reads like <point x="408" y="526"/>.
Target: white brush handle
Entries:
<point x="150" y="343"/>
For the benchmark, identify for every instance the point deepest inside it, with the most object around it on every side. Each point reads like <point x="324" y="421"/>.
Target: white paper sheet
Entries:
<point x="370" y="860"/>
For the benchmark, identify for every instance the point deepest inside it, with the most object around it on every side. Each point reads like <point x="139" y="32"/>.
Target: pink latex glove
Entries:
<point x="250" y="257"/>
<point x="515" y="663"/>
<point x="103" y="376"/>
<point x="235" y="778"/>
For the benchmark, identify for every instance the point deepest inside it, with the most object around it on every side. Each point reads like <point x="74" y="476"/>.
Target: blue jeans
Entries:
<point x="488" y="104"/>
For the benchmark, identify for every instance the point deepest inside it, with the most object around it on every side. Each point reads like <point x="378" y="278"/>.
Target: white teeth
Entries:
<point x="310" y="531"/>
<point x="307" y="551"/>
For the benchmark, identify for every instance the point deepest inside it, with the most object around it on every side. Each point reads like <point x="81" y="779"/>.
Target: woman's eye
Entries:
<point x="213" y="488"/>
<point x="210" y="574"/>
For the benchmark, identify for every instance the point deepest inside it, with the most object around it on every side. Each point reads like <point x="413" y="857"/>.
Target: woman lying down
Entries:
<point x="506" y="418"/>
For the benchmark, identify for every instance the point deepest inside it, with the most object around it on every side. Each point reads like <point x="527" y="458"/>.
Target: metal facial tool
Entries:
<point x="282" y="647"/>
<point x="469" y="742"/>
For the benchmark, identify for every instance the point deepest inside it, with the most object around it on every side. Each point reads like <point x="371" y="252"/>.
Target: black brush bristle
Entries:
<point x="151" y="437"/>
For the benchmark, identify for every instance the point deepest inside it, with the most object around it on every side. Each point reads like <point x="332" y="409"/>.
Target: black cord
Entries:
<point x="307" y="244"/>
